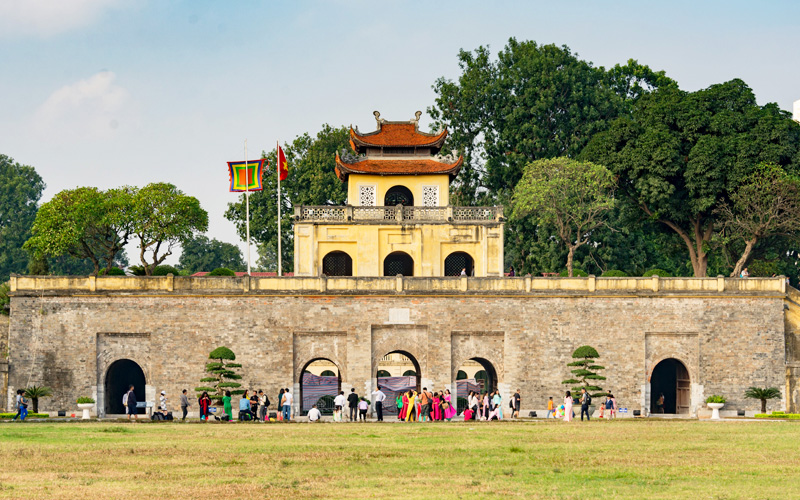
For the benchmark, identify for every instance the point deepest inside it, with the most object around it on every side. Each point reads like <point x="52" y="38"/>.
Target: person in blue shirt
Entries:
<point x="244" y="408"/>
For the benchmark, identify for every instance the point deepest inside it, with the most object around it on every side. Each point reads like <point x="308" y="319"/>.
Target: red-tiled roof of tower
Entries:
<point x="409" y="166"/>
<point x="397" y="134"/>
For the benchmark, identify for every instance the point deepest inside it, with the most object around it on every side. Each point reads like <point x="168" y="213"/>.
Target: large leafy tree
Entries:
<point x="574" y="197"/>
<point x="532" y="102"/>
<point x="203" y="254"/>
<point x="163" y="218"/>
<point x="84" y="223"/>
<point x="767" y="203"/>
<point x="311" y="181"/>
<point x="680" y="155"/>
<point x="20" y="190"/>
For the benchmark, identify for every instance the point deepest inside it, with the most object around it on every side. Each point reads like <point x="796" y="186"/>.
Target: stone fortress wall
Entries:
<point x="730" y="334"/>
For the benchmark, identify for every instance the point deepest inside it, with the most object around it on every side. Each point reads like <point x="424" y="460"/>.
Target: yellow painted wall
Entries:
<point x="385" y="182"/>
<point x="427" y="244"/>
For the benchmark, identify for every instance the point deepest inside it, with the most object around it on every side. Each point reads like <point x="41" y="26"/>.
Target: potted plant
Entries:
<point x="763" y="395"/>
<point x="85" y="403"/>
<point x="715" y="402"/>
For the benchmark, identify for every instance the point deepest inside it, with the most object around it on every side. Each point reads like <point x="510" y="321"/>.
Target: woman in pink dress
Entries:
<point x="568" y="407"/>
<point x="404" y="409"/>
<point x="437" y="408"/>
<point x="450" y="412"/>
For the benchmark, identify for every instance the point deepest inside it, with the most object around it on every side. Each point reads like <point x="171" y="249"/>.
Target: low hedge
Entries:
<point x="779" y="414"/>
<point x="30" y="415"/>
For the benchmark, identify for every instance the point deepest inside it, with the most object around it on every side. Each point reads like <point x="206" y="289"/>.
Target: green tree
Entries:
<point x="585" y="371"/>
<point x="311" y="181"/>
<point x="763" y="395"/>
<point x="35" y="393"/>
<point x="221" y="374"/>
<point x="164" y="217"/>
<point x="575" y="197"/>
<point x="203" y="254"/>
<point x="532" y="102"/>
<point x="5" y="300"/>
<point x="20" y="190"/>
<point x="765" y="204"/>
<point x="67" y="265"/>
<point x="680" y="155"/>
<point x="84" y="223"/>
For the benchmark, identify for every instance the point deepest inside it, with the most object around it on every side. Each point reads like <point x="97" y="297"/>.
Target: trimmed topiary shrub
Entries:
<point x="614" y="273"/>
<point x="657" y="272"/>
<point x="576" y="273"/>
<point x="165" y="270"/>
<point x="585" y="372"/>
<point x="221" y="271"/>
<point x="221" y="373"/>
<point x="115" y="271"/>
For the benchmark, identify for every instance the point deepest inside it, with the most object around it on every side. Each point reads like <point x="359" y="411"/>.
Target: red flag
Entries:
<point x="283" y="170"/>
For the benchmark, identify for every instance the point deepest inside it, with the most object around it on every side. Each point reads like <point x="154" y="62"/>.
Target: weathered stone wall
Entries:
<point x="728" y="342"/>
<point x="4" y="320"/>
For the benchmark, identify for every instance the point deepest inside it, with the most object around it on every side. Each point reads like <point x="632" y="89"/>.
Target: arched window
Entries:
<point x="398" y="263"/>
<point x="327" y="373"/>
<point x="398" y="195"/>
<point x="383" y="374"/>
<point x="337" y="264"/>
<point x="409" y="373"/>
<point x="461" y="375"/>
<point x="456" y="262"/>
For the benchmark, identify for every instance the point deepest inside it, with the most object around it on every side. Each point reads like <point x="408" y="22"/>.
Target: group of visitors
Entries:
<point x="358" y="406"/>
<point x="489" y="406"/>
<point x="608" y="408"/>
<point x="425" y="406"/>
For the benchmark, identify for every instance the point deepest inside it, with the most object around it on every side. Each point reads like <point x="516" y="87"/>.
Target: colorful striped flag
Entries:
<point x="283" y="169"/>
<point x="246" y="176"/>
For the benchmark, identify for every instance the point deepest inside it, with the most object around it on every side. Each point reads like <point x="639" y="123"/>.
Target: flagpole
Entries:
<point x="278" y="157"/>
<point x="247" y="202"/>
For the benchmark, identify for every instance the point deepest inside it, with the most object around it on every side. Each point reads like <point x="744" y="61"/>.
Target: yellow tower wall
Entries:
<point x="384" y="183"/>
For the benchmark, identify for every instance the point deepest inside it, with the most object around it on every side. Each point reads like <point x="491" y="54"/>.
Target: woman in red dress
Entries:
<point x="437" y="406"/>
<point x="402" y="414"/>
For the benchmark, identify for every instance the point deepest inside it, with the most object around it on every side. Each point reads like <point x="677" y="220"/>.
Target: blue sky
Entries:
<point x="112" y="92"/>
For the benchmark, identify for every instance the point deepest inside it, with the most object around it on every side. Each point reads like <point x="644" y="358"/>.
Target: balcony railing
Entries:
<point x="397" y="214"/>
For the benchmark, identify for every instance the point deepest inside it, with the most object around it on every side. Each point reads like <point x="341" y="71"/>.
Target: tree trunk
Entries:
<point x="763" y="406"/>
<point x="748" y="247"/>
<point x="697" y="253"/>
<point x="35" y="404"/>
<point x="570" y="255"/>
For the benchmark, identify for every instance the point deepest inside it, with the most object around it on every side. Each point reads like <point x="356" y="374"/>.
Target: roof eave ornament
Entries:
<point x="415" y="120"/>
<point x="377" y="115"/>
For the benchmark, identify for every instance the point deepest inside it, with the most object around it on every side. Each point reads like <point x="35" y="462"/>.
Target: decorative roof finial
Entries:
<point x="378" y="118"/>
<point x="416" y="117"/>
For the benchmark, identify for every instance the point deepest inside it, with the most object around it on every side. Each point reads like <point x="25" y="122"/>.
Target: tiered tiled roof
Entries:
<point x="396" y="166"/>
<point x="396" y="135"/>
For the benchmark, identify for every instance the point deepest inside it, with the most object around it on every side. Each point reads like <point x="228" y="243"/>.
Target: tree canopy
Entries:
<point x="20" y="190"/>
<point x="203" y="254"/>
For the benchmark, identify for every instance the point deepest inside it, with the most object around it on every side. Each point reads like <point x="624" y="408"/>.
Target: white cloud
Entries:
<point x="91" y="108"/>
<point x="49" y="17"/>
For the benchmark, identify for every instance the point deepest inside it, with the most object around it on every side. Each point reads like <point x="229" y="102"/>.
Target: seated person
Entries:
<point x="314" y="414"/>
<point x="468" y="413"/>
<point x="244" y="408"/>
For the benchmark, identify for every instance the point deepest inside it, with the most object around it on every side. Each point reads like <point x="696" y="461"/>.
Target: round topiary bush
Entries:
<point x="165" y="270"/>
<point x="115" y="271"/>
<point x="657" y="272"/>
<point x="576" y="273"/>
<point x="614" y="273"/>
<point x="222" y="271"/>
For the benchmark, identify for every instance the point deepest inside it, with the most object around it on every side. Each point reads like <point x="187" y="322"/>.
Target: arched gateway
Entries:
<point x="119" y="376"/>
<point x="670" y="378"/>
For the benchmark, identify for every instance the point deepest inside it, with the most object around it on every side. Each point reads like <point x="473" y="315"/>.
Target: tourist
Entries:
<point x="550" y="408"/>
<point x="511" y="272"/>
<point x="18" y="403"/>
<point x="313" y="414"/>
<point x="184" y="405"/>
<point x="585" y="402"/>
<point x="611" y="405"/>
<point x="463" y="271"/>
<point x="130" y="401"/>
<point x="497" y="401"/>
<point x="280" y="405"/>
<point x="203" y="402"/>
<point x="447" y="406"/>
<point x="254" y="405"/>
<point x="487" y="408"/>
<point x="403" y="406"/>
<point x="227" y="408"/>
<point x="568" y="407"/>
<point x="517" y="401"/>
<point x="352" y="402"/>
<point x="287" y="405"/>
<point x="411" y="412"/>
<point x="245" y="412"/>
<point x="264" y="400"/>
<point x="745" y="273"/>
<point x="363" y="406"/>
<point x="338" y="404"/>
<point x="473" y="403"/>
<point x="379" y="397"/>
<point x="162" y="403"/>
<point x="425" y="405"/>
<point x="660" y="403"/>
<point x="437" y="407"/>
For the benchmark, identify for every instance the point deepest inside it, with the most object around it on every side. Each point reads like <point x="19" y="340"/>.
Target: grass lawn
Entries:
<point x="599" y="460"/>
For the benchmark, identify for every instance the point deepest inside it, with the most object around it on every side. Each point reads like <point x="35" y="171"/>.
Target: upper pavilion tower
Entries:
<point x="398" y="218"/>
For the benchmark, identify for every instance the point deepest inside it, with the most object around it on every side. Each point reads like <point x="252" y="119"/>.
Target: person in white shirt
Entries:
<point x="314" y="414"/>
<point x="286" y="405"/>
<point x="338" y="403"/>
<point x="378" y="396"/>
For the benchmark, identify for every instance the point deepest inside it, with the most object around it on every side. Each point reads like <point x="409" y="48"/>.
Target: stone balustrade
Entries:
<point x="459" y="285"/>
